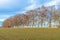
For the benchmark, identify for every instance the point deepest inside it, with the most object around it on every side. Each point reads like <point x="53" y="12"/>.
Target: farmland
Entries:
<point x="29" y="33"/>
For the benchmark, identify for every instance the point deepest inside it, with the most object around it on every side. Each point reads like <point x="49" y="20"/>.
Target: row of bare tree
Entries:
<point x="38" y="17"/>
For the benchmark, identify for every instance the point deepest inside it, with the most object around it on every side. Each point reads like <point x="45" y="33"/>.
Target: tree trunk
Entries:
<point x="50" y="23"/>
<point x="41" y="22"/>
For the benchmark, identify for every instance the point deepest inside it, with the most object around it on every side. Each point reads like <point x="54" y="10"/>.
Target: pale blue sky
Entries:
<point x="12" y="7"/>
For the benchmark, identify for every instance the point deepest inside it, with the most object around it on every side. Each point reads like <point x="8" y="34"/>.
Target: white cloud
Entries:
<point x="2" y="20"/>
<point x="32" y="6"/>
<point x="8" y="4"/>
<point x="3" y="17"/>
<point x="32" y="1"/>
<point x="51" y="3"/>
<point x="35" y="5"/>
<point x="4" y="1"/>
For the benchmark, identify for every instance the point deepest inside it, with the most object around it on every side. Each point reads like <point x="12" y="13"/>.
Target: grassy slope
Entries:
<point x="30" y="34"/>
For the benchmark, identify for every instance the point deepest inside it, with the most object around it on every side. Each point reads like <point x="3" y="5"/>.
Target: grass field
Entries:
<point x="30" y="34"/>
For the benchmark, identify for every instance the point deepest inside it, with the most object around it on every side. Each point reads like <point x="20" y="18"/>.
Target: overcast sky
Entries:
<point x="12" y="7"/>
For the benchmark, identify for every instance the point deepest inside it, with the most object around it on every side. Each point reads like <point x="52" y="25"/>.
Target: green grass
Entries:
<point x="29" y="33"/>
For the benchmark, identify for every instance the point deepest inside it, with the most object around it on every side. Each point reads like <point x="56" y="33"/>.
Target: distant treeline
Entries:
<point x="37" y="17"/>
